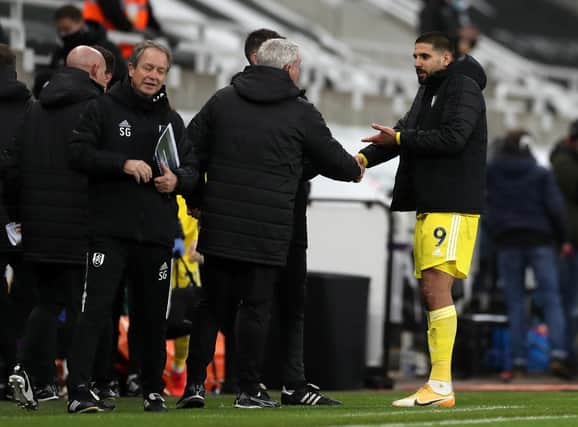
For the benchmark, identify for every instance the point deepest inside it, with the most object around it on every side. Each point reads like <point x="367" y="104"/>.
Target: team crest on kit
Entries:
<point x="97" y="259"/>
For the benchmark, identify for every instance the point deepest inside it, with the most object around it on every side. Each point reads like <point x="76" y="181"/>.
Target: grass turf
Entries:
<point x="366" y="408"/>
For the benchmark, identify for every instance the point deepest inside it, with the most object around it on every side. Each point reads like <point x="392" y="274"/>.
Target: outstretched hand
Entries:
<point x="386" y="136"/>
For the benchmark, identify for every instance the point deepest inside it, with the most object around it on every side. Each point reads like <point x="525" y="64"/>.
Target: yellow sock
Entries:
<point x="181" y="353"/>
<point x="441" y="334"/>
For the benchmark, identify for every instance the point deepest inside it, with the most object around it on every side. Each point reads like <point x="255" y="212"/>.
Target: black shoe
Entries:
<point x="308" y="395"/>
<point x="154" y="402"/>
<point x="46" y="392"/>
<point x="245" y="400"/>
<point x="106" y="390"/>
<point x="559" y="368"/>
<point x="84" y="401"/>
<point x="194" y="397"/>
<point x="133" y="387"/>
<point x="22" y="389"/>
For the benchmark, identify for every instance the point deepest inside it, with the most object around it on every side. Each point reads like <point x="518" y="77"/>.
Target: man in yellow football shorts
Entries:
<point x="441" y="144"/>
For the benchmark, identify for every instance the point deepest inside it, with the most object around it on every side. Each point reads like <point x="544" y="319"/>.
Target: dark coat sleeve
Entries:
<point x="555" y="207"/>
<point x="325" y="152"/>
<point x="464" y="105"/>
<point x="112" y="10"/>
<point x="199" y="133"/>
<point x="377" y="153"/>
<point x="310" y="171"/>
<point x="187" y="172"/>
<point x="86" y="154"/>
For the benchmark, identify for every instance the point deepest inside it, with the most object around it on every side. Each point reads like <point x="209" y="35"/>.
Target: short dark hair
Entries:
<point x="7" y="56"/>
<point x="440" y="41"/>
<point x="142" y="46"/>
<point x="108" y="58"/>
<point x="69" y="11"/>
<point x="256" y="38"/>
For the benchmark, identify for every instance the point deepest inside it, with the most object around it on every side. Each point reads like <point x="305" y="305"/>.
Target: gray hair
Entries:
<point x="277" y="53"/>
<point x="147" y="44"/>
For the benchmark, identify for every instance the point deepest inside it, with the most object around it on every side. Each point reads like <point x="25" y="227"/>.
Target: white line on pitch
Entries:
<point x="468" y="421"/>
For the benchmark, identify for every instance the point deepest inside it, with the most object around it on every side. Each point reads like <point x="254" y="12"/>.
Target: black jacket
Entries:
<point x="100" y="145"/>
<point x="53" y="197"/>
<point x="14" y="101"/>
<point x="93" y="34"/>
<point x="443" y="144"/>
<point x="251" y="138"/>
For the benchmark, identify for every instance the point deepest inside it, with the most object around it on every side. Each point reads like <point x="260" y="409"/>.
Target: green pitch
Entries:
<point x="367" y="408"/>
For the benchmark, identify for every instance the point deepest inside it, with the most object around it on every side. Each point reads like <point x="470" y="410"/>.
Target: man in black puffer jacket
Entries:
<point x="251" y="138"/>
<point x="441" y="144"/>
<point x="14" y="101"/>
<point x="53" y="204"/>
<point x="132" y="216"/>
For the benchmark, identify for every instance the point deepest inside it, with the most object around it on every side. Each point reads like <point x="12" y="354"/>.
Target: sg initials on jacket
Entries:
<point x="124" y="129"/>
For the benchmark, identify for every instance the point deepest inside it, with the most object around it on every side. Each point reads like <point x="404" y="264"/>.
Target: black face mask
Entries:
<point x="80" y="37"/>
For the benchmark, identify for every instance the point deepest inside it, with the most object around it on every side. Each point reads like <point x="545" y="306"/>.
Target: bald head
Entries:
<point x="90" y="60"/>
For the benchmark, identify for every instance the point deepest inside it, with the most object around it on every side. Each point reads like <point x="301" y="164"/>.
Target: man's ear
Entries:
<point x="287" y="67"/>
<point x="94" y="71"/>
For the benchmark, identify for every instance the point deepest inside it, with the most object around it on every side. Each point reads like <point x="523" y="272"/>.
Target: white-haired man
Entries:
<point x="250" y="139"/>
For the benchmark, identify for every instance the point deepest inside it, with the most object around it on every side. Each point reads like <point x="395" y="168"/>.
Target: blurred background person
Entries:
<point x="124" y="15"/>
<point x="527" y="220"/>
<point x="564" y="159"/>
<point x="452" y="18"/>
<point x="73" y="30"/>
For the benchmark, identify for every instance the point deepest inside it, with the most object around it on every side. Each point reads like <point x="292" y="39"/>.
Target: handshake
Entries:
<point x="386" y="136"/>
<point x="361" y="162"/>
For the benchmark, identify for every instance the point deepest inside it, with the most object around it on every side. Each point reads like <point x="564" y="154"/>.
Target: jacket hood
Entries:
<point x="124" y="93"/>
<point x="69" y="86"/>
<point x="468" y="66"/>
<point x="92" y="33"/>
<point x="262" y="84"/>
<point x="10" y="87"/>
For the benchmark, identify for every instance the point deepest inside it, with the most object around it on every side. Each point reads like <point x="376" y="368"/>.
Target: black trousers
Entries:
<point x="148" y="270"/>
<point x="290" y="293"/>
<point x="290" y="300"/>
<point x="59" y="287"/>
<point x="253" y="285"/>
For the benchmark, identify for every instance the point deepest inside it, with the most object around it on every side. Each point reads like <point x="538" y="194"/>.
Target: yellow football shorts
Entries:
<point x="445" y="241"/>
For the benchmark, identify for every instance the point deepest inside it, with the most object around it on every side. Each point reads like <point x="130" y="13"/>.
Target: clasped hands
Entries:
<point x="142" y="172"/>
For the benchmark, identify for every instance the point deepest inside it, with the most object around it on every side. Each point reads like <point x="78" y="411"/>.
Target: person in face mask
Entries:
<point x="74" y="31"/>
